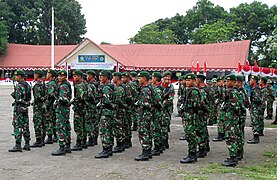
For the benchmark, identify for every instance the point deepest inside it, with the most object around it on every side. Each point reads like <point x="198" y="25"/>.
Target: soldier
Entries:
<point x="106" y="114"/>
<point x="191" y="117"/>
<point x="22" y="97"/>
<point x="135" y="91"/>
<point x="38" y="108"/>
<point x="203" y="135"/>
<point x="62" y="106"/>
<point x="265" y="96"/>
<point x="157" y="113"/>
<point x="213" y="113"/>
<point x="167" y="101"/>
<point x="231" y="106"/>
<point x="243" y="97"/>
<point x="79" y="108"/>
<point x="92" y="127"/>
<point x="144" y="104"/>
<point x="130" y="100"/>
<point x="181" y="98"/>
<point x="219" y="97"/>
<point x="270" y="100"/>
<point x="50" y="97"/>
<point x="255" y="108"/>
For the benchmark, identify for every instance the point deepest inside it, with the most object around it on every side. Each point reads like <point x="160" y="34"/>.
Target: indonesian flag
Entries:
<point x="239" y="67"/>
<point x="265" y="72"/>
<point x="205" y="67"/>
<point x="197" y="67"/>
<point x="246" y="63"/>
<point x="255" y="69"/>
<point x="246" y="68"/>
<point x="192" y="67"/>
<point x="274" y="72"/>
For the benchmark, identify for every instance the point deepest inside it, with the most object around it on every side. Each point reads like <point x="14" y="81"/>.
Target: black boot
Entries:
<point x="119" y="148"/>
<point x="255" y="140"/>
<point x="156" y="151"/>
<point x="90" y="142"/>
<point x="183" y="138"/>
<point x="95" y="141"/>
<point x="16" y="148"/>
<point x="166" y="144"/>
<point x="268" y="117"/>
<point x="84" y="143"/>
<point x="261" y="133"/>
<point x="67" y="148"/>
<point x="37" y="143"/>
<point x="191" y="158"/>
<point x="26" y="147"/>
<point x="49" y="140"/>
<point x="275" y="121"/>
<point x="230" y="162"/>
<point x="219" y="138"/>
<point x="104" y="154"/>
<point x="208" y="146"/>
<point x="144" y="156"/>
<point x="201" y="153"/>
<point x="135" y="126"/>
<point x="55" y="139"/>
<point x="240" y="155"/>
<point x="42" y="141"/>
<point x="59" y="152"/>
<point x="78" y="146"/>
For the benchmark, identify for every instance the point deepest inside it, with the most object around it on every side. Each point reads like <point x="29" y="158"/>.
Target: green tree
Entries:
<point x="150" y="34"/>
<point x="31" y="21"/>
<point x="219" y="31"/>
<point x="4" y="14"/>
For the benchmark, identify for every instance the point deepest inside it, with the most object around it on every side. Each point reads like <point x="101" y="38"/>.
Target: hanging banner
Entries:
<point x="91" y="58"/>
<point x="92" y="66"/>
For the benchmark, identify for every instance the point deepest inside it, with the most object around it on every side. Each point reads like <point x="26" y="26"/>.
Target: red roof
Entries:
<point x="218" y="55"/>
<point x="32" y="56"/>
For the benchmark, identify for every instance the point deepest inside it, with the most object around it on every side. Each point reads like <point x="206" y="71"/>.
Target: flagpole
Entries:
<point x="52" y="41"/>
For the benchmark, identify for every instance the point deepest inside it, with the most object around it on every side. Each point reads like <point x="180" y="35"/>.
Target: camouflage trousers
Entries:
<point x="144" y="129"/>
<point x="269" y="108"/>
<point x="165" y="124"/>
<point x="50" y="121"/>
<point x="156" y="127"/>
<point x="119" y="128"/>
<point x="20" y="125"/>
<point x="134" y="114"/>
<point x="240" y="134"/>
<point x="202" y="132"/>
<point x="213" y="115"/>
<point x="231" y="131"/>
<point x="255" y="114"/>
<point x="38" y="120"/>
<point x="80" y="124"/>
<point x="106" y="128"/>
<point x="92" y="127"/>
<point x="220" y="122"/>
<point x="261" y="120"/>
<point x="63" y="125"/>
<point x="128" y="126"/>
<point x="190" y="123"/>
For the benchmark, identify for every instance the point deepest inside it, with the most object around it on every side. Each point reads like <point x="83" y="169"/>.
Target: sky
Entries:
<point x="115" y="21"/>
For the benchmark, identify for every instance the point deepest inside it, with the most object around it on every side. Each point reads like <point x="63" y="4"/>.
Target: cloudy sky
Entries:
<point x="115" y="21"/>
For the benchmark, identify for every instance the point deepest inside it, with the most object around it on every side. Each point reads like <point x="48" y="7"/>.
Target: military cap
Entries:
<point x="144" y="74"/>
<point x="230" y="77"/>
<point x="106" y="73"/>
<point x="201" y="76"/>
<point x="209" y="81"/>
<point x="239" y="78"/>
<point x="190" y="76"/>
<point x="133" y="73"/>
<point x="52" y="71"/>
<point x="77" y="72"/>
<point x="84" y="75"/>
<point x="219" y="78"/>
<point x="213" y="80"/>
<point x="39" y="72"/>
<point x="264" y="80"/>
<point x="255" y="77"/>
<point x="166" y="73"/>
<point x="62" y="72"/>
<point x="269" y="81"/>
<point x="125" y="74"/>
<point x="19" y="72"/>
<point x="91" y="72"/>
<point x="157" y="74"/>
<point x="118" y="74"/>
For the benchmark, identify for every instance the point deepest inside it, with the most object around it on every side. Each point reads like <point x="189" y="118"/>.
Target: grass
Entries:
<point x="271" y="126"/>
<point x="271" y="154"/>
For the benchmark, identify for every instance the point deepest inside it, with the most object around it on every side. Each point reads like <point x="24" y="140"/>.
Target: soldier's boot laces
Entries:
<point x="191" y="158"/>
<point x="90" y="142"/>
<point x="84" y="143"/>
<point x="49" y="140"/>
<point x="255" y="140"/>
<point x="37" y="144"/>
<point x="16" y="148"/>
<point x="27" y="147"/>
<point x="119" y="148"/>
<point x="67" y="148"/>
<point x="144" y="156"/>
<point x="219" y="138"/>
<point x="59" y="152"/>
<point x="230" y="162"/>
<point x="104" y="154"/>
<point x="201" y="153"/>
<point x="78" y="146"/>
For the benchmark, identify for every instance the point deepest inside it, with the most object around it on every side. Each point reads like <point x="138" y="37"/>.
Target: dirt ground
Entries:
<point x="39" y="164"/>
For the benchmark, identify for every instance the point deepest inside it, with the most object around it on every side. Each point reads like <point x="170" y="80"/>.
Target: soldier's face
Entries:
<point x="230" y="83"/>
<point x="61" y="78"/>
<point x="115" y="79"/>
<point x="134" y="78"/>
<point x="77" y="78"/>
<point x="167" y="79"/>
<point x="103" y="79"/>
<point x="17" y="78"/>
<point x="238" y="84"/>
<point x="220" y="83"/>
<point x="48" y="76"/>
<point x="252" y="82"/>
<point x="124" y="79"/>
<point x="35" y="76"/>
<point x="190" y="82"/>
<point x="142" y="80"/>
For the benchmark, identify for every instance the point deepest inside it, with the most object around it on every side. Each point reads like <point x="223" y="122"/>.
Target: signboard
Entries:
<point x="91" y="58"/>
<point x="92" y="66"/>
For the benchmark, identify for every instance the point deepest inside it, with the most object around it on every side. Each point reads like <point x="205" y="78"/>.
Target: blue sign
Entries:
<point x="91" y="58"/>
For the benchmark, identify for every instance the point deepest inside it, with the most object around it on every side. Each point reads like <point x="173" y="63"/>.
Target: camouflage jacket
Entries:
<point x="231" y="101"/>
<point x="265" y="96"/>
<point x="219" y="95"/>
<point x="145" y="99"/>
<point x="157" y="101"/>
<point x="120" y="97"/>
<point x="39" y="93"/>
<point x="107" y="99"/>
<point x="91" y="100"/>
<point x="243" y="99"/>
<point x="168" y="96"/>
<point x="128" y="92"/>
<point x="80" y="96"/>
<point x="51" y="92"/>
<point x="192" y="102"/>
<point x="22" y="94"/>
<point x="271" y="96"/>
<point x="64" y="93"/>
<point x="255" y="97"/>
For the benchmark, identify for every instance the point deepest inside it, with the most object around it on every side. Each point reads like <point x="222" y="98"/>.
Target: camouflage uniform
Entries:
<point x="134" y="112"/>
<point x="270" y="101"/>
<point x="214" y="111"/>
<point x="22" y="97"/>
<point x="265" y="96"/>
